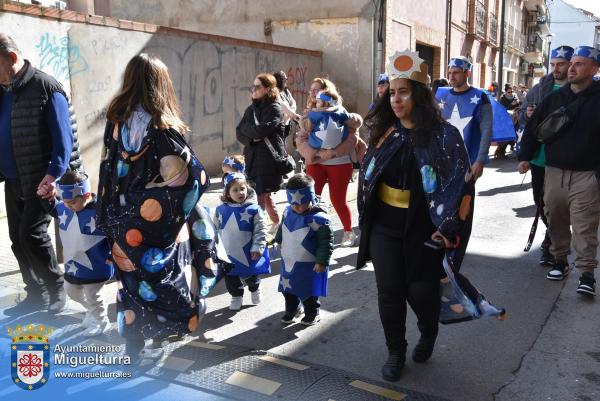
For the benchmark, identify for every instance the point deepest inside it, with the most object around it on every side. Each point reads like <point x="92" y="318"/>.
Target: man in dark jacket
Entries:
<point x="37" y="141"/>
<point x="572" y="196"/>
<point x="559" y="64"/>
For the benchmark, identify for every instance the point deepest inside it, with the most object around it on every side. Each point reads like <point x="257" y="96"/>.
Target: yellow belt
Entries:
<point x="393" y="196"/>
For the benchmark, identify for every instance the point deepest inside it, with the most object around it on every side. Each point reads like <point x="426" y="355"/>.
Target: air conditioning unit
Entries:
<point x="524" y="67"/>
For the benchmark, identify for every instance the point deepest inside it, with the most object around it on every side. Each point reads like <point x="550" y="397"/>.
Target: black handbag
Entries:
<point x="285" y="164"/>
<point x="557" y="122"/>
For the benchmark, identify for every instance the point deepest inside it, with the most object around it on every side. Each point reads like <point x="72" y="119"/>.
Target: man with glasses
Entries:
<point x="37" y="143"/>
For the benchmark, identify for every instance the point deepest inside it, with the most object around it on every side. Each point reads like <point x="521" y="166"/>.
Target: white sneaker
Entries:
<point x="88" y="320"/>
<point x="348" y="239"/>
<point x="99" y="327"/>
<point x="236" y="303"/>
<point x="255" y="296"/>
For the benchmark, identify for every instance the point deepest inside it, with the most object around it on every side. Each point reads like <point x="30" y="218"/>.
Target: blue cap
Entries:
<point x="565" y="52"/>
<point x="233" y="176"/>
<point x="588" y="52"/>
<point x="230" y="161"/>
<point x="461" y="63"/>
<point x="71" y="191"/>
<point x="383" y="79"/>
<point x="301" y="196"/>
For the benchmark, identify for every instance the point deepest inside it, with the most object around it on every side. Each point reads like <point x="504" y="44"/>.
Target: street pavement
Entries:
<point x="547" y="349"/>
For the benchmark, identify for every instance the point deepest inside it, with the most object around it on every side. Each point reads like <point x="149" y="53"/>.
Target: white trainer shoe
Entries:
<point x="255" y="296"/>
<point x="88" y="321"/>
<point x="97" y="328"/>
<point x="348" y="239"/>
<point x="236" y="303"/>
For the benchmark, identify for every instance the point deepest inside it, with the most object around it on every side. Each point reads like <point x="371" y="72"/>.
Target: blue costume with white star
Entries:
<point x="463" y="110"/>
<point x="328" y="129"/>
<point x="299" y="249"/>
<point x="237" y="224"/>
<point x="86" y="249"/>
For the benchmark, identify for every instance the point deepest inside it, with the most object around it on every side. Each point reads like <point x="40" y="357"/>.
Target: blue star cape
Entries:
<point x="299" y="278"/>
<point x="243" y="216"/>
<point x="99" y="254"/>
<point x="320" y="122"/>
<point x="469" y="104"/>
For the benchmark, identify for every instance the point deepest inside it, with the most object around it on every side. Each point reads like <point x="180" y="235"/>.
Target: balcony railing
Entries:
<point x="480" y="23"/>
<point x="493" y="32"/>
<point x="477" y="18"/>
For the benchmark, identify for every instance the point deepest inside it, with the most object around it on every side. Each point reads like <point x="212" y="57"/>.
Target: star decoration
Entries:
<point x="296" y="252"/>
<point x="285" y="283"/>
<point x="594" y="54"/>
<point x="331" y="137"/>
<point x="245" y="216"/>
<point x="77" y="243"/>
<point x="459" y="122"/>
<point x="235" y="240"/>
<point x="561" y="52"/>
<point x="92" y="225"/>
<point x="62" y="219"/>
<point x="220" y="220"/>
<point x="474" y="99"/>
<point x="297" y="197"/>
<point x="442" y="104"/>
<point x="229" y="161"/>
<point x="314" y="225"/>
<point x="71" y="268"/>
<point x="321" y="126"/>
<point x="432" y="204"/>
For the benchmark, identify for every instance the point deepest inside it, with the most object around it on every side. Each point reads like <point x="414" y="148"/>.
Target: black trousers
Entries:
<point x="311" y="304"/>
<point x="394" y="290"/>
<point x="235" y="284"/>
<point x="28" y="221"/>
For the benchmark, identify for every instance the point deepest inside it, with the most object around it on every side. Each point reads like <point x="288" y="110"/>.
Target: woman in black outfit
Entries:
<point x="262" y="122"/>
<point x="411" y="183"/>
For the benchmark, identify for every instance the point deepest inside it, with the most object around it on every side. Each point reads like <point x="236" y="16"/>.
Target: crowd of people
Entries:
<point x="146" y="226"/>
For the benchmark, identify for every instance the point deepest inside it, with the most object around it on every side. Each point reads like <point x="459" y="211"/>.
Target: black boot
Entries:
<point x="423" y="349"/>
<point x="393" y="366"/>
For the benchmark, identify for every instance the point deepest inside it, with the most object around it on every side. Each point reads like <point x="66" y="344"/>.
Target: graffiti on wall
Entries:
<point x="59" y="58"/>
<point x="213" y="84"/>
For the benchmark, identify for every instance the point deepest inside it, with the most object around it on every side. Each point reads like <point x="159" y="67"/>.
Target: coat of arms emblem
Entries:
<point x="30" y="355"/>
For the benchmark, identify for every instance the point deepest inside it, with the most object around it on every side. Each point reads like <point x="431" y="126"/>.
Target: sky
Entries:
<point x="592" y="6"/>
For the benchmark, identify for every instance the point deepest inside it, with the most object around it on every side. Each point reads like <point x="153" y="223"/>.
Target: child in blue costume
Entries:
<point x="233" y="164"/>
<point x="306" y="239"/>
<point x="327" y="122"/>
<point x="242" y="229"/>
<point x="85" y="248"/>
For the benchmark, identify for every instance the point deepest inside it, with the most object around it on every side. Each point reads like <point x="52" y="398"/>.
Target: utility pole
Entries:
<point x="501" y="58"/>
<point x="448" y="35"/>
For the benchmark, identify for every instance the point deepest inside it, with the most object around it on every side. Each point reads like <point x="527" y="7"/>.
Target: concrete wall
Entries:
<point x="212" y="75"/>
<point x="570" y="34"/>
<point x="341" y="29"/>
<point x="427" y="25"/>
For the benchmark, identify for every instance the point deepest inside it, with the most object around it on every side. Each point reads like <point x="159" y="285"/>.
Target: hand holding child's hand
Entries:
<point x="254" y="255"/>
<point x="319" y="268"/>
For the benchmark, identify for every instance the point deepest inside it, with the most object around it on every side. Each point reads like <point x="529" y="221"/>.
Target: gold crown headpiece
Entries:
<point x="30" y="332"/>
<point x="408" y="65"/>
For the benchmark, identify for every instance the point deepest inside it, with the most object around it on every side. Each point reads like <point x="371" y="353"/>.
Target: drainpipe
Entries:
<point x="448" y="35"/>
<point x="501" y="57"/>
<point x="380" y="14"/>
